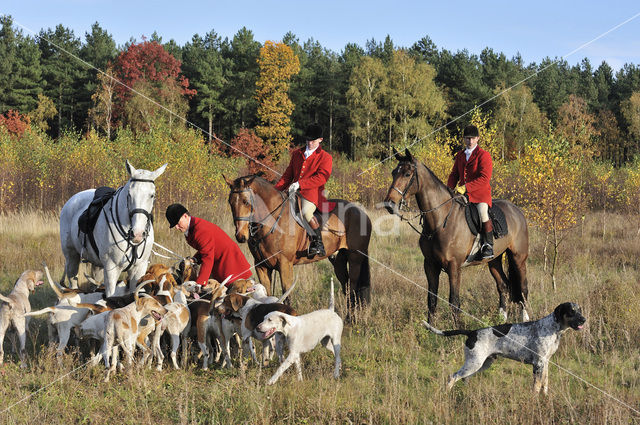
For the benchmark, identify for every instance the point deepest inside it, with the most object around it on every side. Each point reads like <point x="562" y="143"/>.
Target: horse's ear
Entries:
<point x="408" y="154"/>
<point x="229" y="182"/>
<point x="158" y="172"/>
<point x="130" y="168"/>
<point x="249" y="180"/>
<point x="260" y="173"/>
<point x="395" y="152"/>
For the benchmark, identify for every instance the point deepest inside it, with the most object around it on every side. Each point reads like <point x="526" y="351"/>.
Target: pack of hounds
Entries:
<point x="165" y="302"/>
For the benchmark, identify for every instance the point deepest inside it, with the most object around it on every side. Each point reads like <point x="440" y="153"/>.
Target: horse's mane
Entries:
<point x="414" y="160"/>
<point x="241" y="182"/>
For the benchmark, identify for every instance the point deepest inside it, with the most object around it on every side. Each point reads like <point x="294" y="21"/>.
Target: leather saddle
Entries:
<point x="496" y="215"/>
<point x="89" y="217"/>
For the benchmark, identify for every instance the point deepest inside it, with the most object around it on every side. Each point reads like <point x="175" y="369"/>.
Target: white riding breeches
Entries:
<point x="483" y="211"/>
<point x="308" y="208"/>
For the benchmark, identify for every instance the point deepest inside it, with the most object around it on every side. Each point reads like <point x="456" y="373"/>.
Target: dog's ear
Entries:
<point x="139" y="303"/>
<point x="561" y="311"/>
<point x="237" y="301"/>
<point x="284" y="320"/>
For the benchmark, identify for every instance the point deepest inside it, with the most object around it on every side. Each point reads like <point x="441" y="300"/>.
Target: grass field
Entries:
<point x="393" y="370"/>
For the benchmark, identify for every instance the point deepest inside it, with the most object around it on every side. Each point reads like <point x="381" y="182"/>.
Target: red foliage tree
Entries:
<point x="15" y="123"/>
<point x="148" y="62"/>
<point x="246" y="142"/>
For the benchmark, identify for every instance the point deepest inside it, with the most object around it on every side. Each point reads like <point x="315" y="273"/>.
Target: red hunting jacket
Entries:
<point x="475" y="174"/>
<point x="312" y="173"/>
<point x="220" y="256"/>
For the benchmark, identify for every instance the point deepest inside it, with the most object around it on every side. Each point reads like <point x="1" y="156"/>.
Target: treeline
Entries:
<point x="367" y="98"/>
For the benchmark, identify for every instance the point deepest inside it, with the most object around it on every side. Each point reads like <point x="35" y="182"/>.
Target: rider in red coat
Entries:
<point x="308" y="170"/>
<point x="219" y="256"/>
<point x="472" y="170"/>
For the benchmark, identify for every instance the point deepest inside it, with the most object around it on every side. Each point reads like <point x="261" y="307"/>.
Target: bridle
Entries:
<point x="415" y="177"/>
<point x="256" y="225"/>
<point x="127" y="235"/>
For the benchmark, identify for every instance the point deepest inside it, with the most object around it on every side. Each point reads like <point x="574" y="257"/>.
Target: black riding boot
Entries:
<point x="316" y="247"/>
<point x="487" y="245"/>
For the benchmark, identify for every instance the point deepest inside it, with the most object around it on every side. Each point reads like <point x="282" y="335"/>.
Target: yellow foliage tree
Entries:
<point x="45" y="111"/>
<point x="549" y="191"/>
<point x="278" y="64"/>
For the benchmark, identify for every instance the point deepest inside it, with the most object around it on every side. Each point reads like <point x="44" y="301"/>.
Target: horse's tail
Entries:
<point x="364" y="280"/>
<point x="515" y="279"/>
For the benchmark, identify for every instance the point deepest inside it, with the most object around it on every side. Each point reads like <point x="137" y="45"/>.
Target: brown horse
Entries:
<point x="446" y="240"/>
<point x="263" y="218"/>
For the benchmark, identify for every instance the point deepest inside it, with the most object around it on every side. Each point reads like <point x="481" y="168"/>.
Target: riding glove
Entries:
<point x="294" y="186"/>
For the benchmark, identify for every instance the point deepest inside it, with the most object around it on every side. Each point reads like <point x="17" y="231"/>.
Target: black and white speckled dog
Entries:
<point x="530" y="342"/>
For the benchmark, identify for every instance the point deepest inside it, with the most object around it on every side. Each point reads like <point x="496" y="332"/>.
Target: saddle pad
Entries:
<point x="87" y="220"/>
<point x="495" y="214"/>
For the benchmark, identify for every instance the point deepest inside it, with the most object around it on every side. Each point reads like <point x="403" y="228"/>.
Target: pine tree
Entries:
<point x="206" y="69"/>
<point x="61" y="72"/>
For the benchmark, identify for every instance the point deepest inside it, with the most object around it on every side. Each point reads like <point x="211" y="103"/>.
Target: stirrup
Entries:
<point x="316" y="247"/>
<point x="486" y="251"/>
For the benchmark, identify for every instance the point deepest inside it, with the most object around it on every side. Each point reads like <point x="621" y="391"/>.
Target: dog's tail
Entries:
<point x="332" y="301"/>
<point x="51" y="283"/>
<point x="286" y="294"/>
<point x="445" y="333"/>
<point x="94" y="307"/>
<point x="7" y="300"/>
<point x="43" y="311"/>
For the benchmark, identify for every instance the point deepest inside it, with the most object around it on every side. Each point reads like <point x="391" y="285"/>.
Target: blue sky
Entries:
<point x="534" y="29"/>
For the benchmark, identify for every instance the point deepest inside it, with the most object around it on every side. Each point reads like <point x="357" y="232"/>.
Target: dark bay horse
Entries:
<point x="263" y="218"/>
<point x="446" y="240"/>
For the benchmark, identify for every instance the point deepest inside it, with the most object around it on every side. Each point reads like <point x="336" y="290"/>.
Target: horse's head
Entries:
<point x="141" y="195"/>
<point x="404" y="184"/>
<point x="243" y="202"/>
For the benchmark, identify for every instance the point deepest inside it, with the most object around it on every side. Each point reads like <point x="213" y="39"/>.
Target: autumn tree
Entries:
<point x="549" y="191"/>
<point x="413" y="100"/>
<point x="630" y="109"/>
<point x="610" y="140"/>
<point x="45" y="110"/>
<point x="152" y="88"/>
<point x="101" y="114"/>
<point x="277" y="65"/>
<point x="367" y="87"/>
<point x="518" y="119"/>
<point x="248" y="145"/>
<point x="577" y="125"/>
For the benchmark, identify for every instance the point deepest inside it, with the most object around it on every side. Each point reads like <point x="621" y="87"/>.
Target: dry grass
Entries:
<point x="394" y="370"/>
